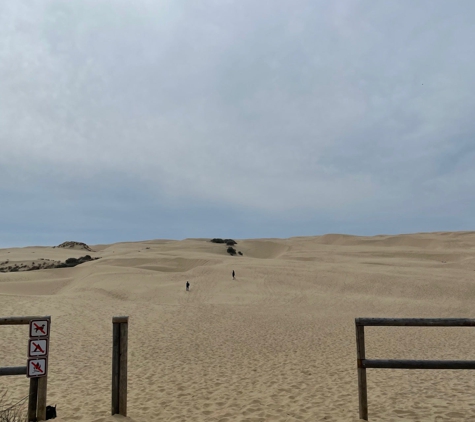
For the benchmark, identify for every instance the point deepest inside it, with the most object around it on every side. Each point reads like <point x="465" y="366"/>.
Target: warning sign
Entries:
<point x="36" y="367"/>
<point x="39" y="328"/>
<point x="37" y="347"/>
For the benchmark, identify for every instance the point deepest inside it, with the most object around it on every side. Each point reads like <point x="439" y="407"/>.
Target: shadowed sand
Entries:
<point x="276" y="344"/>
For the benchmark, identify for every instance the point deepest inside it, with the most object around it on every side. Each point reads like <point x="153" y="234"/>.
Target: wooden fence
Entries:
<point x="38" y="386"/>
<point x="363" y="363"/>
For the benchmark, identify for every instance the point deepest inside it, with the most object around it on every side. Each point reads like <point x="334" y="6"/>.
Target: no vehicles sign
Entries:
<point x="36" y="367"/>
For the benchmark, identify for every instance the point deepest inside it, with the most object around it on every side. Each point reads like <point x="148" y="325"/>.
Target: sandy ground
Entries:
<point x="276" y="344"/>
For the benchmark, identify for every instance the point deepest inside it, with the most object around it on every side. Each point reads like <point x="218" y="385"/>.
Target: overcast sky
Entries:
<point x="129" y="120"/>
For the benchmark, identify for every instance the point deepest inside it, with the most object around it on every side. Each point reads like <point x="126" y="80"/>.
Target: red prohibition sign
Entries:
<point x="37" y="367"/>
<point x="38" y="347"/>
<point x="39" y="328"/>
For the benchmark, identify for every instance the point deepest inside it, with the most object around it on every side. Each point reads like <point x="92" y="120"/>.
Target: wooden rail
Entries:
<point x="21" y="320"/>
<point x="38" y="386"/>
<point x="362" y="363"/>
<point x="12" y="370"/>
<point x="415" y="322"/>
<point x="419" y="364"/>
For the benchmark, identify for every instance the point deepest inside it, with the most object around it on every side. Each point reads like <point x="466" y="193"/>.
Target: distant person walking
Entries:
<point x="187" y="286"/>
<point x="233" y="274"/>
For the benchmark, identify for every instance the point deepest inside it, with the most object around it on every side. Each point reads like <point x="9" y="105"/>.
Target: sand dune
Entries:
<point x="263" y="249"/>
<point x="420" y="240"/>
<point x="276" y="344"/>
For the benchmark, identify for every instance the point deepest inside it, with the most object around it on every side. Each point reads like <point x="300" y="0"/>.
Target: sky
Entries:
<point x="131" y="120"/>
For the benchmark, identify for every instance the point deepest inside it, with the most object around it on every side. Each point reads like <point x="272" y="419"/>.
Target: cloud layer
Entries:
<point x="295" y="117"/>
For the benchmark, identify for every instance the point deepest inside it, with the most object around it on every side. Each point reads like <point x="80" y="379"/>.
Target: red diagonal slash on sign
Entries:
<point x="38" y="328"/>
<point x="38" y="348"/>
<point x="37" y="367"/>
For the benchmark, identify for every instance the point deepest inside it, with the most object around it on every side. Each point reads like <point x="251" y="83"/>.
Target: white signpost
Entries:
<point x="38" y="348"/>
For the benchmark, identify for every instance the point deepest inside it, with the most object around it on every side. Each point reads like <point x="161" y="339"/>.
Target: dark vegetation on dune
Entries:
<point x="72" y="262"/>
<point x="44" y="264"/>
<point x="12" y="411"/>
<point x="47" y="264"/>
<point x="228" y="242"/>
<point x="231" y="251"/>
<point x="72" y="244"/>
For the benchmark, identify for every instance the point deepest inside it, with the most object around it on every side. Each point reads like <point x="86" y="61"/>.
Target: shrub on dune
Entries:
<point x="231" y="251"/>
<point x="217" y="240"/>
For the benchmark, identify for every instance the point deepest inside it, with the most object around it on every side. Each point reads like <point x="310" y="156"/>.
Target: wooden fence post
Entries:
<point x="364" y="363"/>
<point x="362" y="388"/>
<point x="119" y="365"/>
<point x="115" y="367"/>
<point x="38" y="385"/>
<point x="32" y="400"/>
<point x="42" y="393"/>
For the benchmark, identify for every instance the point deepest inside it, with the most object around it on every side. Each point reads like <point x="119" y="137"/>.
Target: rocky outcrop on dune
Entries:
<point x="74" y="245"/>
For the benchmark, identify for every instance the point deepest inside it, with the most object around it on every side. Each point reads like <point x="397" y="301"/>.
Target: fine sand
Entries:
<point x="276" y="344"/>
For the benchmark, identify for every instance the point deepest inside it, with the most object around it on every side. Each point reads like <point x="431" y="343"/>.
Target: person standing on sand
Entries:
<point x="233" y="274"/>
<point x="187" y="286"/>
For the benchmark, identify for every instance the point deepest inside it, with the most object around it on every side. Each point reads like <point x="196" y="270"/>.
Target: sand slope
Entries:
<point x="276" y="344"/>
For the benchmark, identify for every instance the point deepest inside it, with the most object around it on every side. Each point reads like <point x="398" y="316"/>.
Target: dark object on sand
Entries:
<point x="216" y="240"/>
<point x="233" y="274"/>
<point x="72" y="262"/>
<point x="50" y="412"/>
<point x="229" y="242"/>
<point x="74" y="245"/>
<point x="240" y="253"/>
<point x="231" y="251"/>
<point x="187" y="286"/>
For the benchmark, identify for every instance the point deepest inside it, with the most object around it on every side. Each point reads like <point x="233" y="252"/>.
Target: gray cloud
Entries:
<point x="298" y="112"/>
